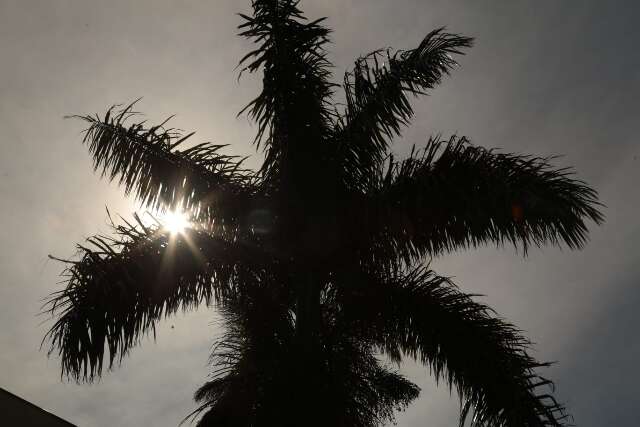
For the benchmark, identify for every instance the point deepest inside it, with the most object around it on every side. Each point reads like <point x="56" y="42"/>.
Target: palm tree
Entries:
<point x="317" y="261"/>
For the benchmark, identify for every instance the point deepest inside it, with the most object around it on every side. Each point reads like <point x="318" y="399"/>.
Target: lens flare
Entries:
<point x="175" y="222"/>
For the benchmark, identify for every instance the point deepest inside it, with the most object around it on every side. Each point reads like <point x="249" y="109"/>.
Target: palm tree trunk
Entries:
<point x="308" y="312"/>
<point x="308" y="323"/>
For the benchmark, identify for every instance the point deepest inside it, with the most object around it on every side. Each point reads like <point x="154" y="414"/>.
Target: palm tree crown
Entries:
<point x="317" y="260"/>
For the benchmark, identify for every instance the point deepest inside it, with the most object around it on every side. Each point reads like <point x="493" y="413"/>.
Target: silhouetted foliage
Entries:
<point x="317" y="262"/>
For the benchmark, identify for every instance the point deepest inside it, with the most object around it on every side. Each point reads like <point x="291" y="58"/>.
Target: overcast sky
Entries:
<point x="545" y="77"/>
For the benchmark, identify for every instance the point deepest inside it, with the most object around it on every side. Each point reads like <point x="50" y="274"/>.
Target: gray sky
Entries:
<point x="545" y="77"/>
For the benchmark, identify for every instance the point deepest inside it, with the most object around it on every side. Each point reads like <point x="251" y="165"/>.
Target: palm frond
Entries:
<point x="377" y="95"/>
<point x="359" y="389"/>
<point x="121" y="286"/>
<point x="419" y="314"/>
<point x="454" y="195"/>
<point x="261" y="377"/>
<point x="250" y="358"/>
<point x="292" y="111"/>
<point x="146" y="161"/>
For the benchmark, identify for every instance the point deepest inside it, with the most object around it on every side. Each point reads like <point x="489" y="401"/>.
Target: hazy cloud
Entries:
<point x="545" y="77"/>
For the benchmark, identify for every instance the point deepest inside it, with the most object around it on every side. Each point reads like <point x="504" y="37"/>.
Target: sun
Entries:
<point x="175" y="222"/>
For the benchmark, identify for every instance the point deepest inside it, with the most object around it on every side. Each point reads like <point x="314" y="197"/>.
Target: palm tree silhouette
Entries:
<point x="317" y="260"/>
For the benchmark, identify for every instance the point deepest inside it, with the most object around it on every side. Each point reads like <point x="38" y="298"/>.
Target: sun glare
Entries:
<point x="175" y="222"/>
